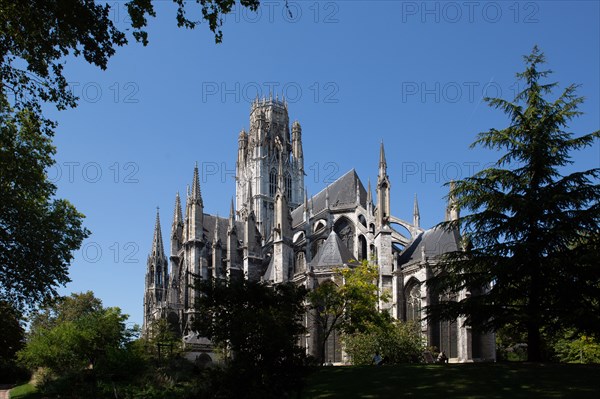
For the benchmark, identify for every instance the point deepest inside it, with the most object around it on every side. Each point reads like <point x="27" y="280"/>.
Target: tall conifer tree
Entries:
<point x="532" y="261"/>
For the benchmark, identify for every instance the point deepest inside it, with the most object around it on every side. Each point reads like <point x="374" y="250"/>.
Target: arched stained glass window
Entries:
<point x="413" y="302"/>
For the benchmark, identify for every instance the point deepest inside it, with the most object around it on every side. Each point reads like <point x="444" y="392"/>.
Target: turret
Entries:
<point x="242" y="149"/>
<point x="217" y="266"/>
<point x="157" y="261"/>
<point x="369" y="199"/>
<point x="155" y="295"/>
<point x="416" y="214"/>
<point x="452" y="211"/>
<point x="383" y="190"/>
<point x="282" y="238"/>
<point x="175" y="261"/>
<point x="176" y="227"/>
<point x="232" y="243"/>
<point x="270" y="141"/>
<point x="195" y="209"/>
<point x="297" y="144"/>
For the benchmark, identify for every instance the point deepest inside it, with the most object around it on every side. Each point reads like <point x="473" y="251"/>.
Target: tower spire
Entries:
<point x="452" y="211"/>
<point x="383" y="190"/>
<point x="196" y="194"/>
<point x="382" y="161"/>
<point x="157" y="241"/>
<point x="177" y="217"/>
<point x="416" y="213"/>
<point x="369" y="194"/>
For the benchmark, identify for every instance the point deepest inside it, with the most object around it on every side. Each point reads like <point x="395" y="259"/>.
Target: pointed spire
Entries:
<point x="196" y="194"/>
<point x="327" y="197"/>
<point x="177" y="217"/>
<point x="416" y="213"/>
<point x="369" y="194"/>
<point x="157" y="241"/>
<point x="305" y="201"/>
<point x="452" y="211"/>
<point x="231" y="226"/>
<point x="382" y="161"/>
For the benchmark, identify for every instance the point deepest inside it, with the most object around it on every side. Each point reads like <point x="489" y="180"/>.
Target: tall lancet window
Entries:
<point x="413" y="302"/>
<point x="288" y="187"/>
<point x="272" y="182"/>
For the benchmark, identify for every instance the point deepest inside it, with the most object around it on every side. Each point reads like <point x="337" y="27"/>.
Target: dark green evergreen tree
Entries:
<point x="533" y="260"/>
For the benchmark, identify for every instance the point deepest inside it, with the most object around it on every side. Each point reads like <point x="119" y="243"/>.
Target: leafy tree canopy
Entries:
<point x="12" y="339"/>
<point x="75" y="334"/>
<point x="38" y="232"/>
<point x="349" y="302"/>
<point x="534" y="232"/>
<point x="36" y="35"/>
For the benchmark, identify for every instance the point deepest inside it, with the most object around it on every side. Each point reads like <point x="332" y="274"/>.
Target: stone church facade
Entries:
<point x="276" y="233"/>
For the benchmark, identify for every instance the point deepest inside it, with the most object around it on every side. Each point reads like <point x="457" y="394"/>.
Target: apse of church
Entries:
<point x="276" y="233"/>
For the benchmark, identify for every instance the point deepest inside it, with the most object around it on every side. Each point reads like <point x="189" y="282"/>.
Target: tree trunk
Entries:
<point x="534" y="342"/>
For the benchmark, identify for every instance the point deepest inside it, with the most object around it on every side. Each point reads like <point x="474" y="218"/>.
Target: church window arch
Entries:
<point x="272" y="182"/>
<point x="300" y="263"/>
<point x="444" y="333"/>
<point x="345" y="230"/>
<point x="362" y="248"/>
<point x="362" y="220"/>
<point x="412" y="298"/>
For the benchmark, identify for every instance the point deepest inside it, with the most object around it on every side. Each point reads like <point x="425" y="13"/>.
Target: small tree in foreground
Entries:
<point x="79" y="342"/>
<point x="348" y="304"/>
<point x="534" y="232"/>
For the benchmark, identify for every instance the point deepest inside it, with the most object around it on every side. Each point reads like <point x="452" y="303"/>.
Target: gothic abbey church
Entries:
<point x="275" y="233"/>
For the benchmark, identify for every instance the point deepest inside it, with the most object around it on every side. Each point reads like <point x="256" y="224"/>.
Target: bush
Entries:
<point x="396" y="342"/>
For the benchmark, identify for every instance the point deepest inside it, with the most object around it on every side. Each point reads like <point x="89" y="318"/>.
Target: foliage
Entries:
<point x="396" y="342"/>
<point x="38" y="232"/>
<point x="259" y="325"/>
<point x="37" y="35"/>
<point x="12" y="338"/>
<point x="534" y="232"/>
<point x="349" y="307"/>
<point x="163" y="341"/>
<point x="580" y="348"/>
<point x="79" y="342"/>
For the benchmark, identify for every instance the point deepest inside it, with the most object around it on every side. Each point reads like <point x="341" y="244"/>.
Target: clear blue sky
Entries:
<point x="355" y="72"/>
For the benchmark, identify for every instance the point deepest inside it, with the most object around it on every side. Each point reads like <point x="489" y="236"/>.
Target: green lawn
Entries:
<point x="489" y="381"/>
<point x="25" y="391"/>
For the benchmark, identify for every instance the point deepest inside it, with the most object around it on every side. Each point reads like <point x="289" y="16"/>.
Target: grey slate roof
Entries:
<point x="333" y="253"/>
<point x="435" y="242"/>
<point x="342" y="192"/>
<point x="209" y="228"/>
